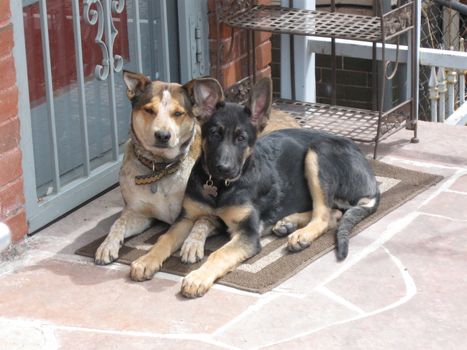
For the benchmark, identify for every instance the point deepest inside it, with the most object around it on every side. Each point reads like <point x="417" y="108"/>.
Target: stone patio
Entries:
<point x="403" y="286"/>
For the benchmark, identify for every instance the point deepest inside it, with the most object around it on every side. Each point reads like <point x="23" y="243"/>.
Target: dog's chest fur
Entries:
<point x="161" y="200"/>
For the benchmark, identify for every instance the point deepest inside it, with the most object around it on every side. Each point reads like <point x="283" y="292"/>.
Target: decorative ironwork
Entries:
<point x="398" y="20"/>
<point x="396" y="64"/>
<point x="101" y="15"/>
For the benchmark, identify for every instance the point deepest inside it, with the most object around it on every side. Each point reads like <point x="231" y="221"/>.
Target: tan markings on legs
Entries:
<point x="224" y="260"/>
<point x="232" y="216"/>
<point x="296" y="221"/>
<point x="194" y="209"/>
<point x="321" y="217"/>
<point x="237" y="250"/>
<point x="127" y="225"/>
<point x="291" y="223"/>
<point x="193" y="248"/>
<point x="146" y="266"/>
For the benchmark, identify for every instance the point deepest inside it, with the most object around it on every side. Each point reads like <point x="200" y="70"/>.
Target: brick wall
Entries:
<point x="234" y="67"/>
<point x="353" y="77"/>
<point x="11" y="180"/>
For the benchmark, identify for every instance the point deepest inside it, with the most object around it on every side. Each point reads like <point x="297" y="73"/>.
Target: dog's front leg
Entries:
<point x="193" y="248"/>
<point x="223" y="260"/>
<point x="243" y="225"/>
<point x="127" y="225"/>
<point x="146" y="266"/>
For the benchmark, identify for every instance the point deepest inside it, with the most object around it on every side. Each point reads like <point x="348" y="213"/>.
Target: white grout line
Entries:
<point x="421" y="164"/>
<point x="264" y="300"/>
<point x="48" y="329"/>
<point x="410" y="291"/>
<point x="394" y="228"/>
<point x="442" y="217"/>
<point x="444" y="185"/>
<point x="340" y="300"/>
<point x="457" y="192"/>
<point x="410" y="286"/>
<point x="49" y="337"/>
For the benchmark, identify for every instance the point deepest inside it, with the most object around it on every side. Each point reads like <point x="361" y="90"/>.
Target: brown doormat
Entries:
<point x="274" y="263"/>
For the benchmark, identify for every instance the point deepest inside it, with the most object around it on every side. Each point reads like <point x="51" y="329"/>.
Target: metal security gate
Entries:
<point x="74" y="112"/>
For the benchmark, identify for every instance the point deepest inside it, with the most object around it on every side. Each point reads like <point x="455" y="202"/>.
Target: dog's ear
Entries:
<point x="135" y="83"/>
<point x="260" y="103"/>
<point x="206" y="93"/>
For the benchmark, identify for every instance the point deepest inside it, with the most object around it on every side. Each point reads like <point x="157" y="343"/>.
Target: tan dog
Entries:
<point x="163" y="147"/>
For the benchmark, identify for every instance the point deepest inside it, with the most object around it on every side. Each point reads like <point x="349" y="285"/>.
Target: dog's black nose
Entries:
<point x="224" y="169"/>
<point x="162" y="136"/>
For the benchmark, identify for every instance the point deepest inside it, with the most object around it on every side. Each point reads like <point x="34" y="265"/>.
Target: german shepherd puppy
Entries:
<point x="287" y="183"/>
<point x="164" y="143"/>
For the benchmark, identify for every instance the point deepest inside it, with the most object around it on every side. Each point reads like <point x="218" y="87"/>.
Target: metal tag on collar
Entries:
<point x="209" y="189"/>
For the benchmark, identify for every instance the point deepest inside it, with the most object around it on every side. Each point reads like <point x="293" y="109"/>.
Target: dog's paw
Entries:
<point x="107" y="252"/>
<point x="298" y="240"/>
<point x="192" y="251"/>
<point x="195" y="284"/>
<point x="144" y="268"/>
<point x="284" y="227"/>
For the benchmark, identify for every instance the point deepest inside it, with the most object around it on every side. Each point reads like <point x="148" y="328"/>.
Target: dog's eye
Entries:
<point x="214" y="132"/>
<point x="178" y="114"/>
<point x="149" y="110"/>
<point x="241" y="138"/>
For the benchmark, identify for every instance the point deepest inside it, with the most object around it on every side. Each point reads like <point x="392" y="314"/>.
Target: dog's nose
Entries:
<point x="162" y="136"/>
<point x="223" y="169"/>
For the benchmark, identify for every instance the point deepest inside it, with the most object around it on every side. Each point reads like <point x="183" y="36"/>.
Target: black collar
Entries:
<point x="159" y="166"/>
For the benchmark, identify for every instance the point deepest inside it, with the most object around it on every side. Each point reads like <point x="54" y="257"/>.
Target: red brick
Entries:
<point x="263" y="55"/>
<point x="261" y="37"/>
<point x="10" y="166"/>
<point x="229" y="54"/>
<point x="233" y="72"/>
<point x="8" y="103"/>
<point x="9" y="135"/>
<point x="18" y="225"/>
<point x="6" y="40"/>
<point x="225" y="30"/>
<point x="4" y="12"/>
<point x="7" y="72"/>
<point x="11" y="198"/>
<point x="234" y="64"/>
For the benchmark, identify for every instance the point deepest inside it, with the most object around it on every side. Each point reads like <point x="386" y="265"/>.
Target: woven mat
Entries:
<point x="274" y="263"/>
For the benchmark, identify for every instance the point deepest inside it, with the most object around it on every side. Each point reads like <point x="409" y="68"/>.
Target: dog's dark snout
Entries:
<point x="162" y="136"/>
<point x="224" y="168"/>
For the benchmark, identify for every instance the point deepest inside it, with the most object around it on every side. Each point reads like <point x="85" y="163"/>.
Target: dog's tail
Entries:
<point x="352" y="217"/>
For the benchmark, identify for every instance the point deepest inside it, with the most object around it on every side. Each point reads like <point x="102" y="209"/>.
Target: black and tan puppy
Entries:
<point x="287" y="182"/>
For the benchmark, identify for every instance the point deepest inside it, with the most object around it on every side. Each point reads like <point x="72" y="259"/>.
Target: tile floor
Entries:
<point x="403" y="286"/>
